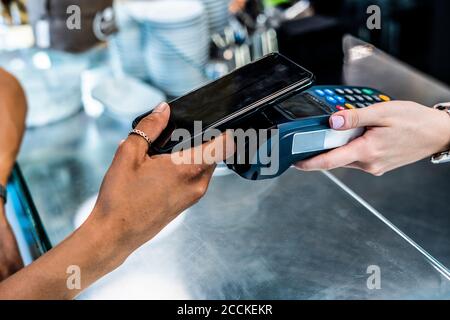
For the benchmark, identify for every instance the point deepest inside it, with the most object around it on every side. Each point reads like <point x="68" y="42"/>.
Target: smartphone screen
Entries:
<point x="238" y="92"/>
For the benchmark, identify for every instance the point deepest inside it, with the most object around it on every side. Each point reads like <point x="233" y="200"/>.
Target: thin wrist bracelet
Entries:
<point x="442" y="157"/>
<point x="3" y="193"/>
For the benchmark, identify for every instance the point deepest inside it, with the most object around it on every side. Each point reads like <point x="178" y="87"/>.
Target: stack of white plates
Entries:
<point x="126" y="46"/>
<point x="176" y="42"/>
<point x="217" y="14"/>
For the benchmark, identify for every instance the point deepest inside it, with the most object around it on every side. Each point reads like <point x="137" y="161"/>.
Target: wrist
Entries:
<point x="4" y="172"/>
<point x="125" y="236"/>
<point x="448" y="133"/>
<point x="105" y="236"/>
<point x="445" y="145"/>
<point x="3" y="179"/>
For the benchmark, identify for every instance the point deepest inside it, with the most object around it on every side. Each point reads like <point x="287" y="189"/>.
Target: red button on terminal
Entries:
<point x="340" y="108"/>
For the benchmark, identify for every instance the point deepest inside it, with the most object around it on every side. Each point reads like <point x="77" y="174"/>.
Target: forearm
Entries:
<point x="13" y="108"/>
<point x="53" y="277"/>
<point x="12" y="95"/>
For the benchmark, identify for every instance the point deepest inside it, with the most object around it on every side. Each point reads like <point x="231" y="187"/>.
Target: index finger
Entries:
<point x="333" y="159"/>
<point x="207" y="154"/>
<point x="373" y="115"/>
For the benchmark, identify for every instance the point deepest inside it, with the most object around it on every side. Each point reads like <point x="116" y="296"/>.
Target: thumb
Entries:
<point x="355" y="118"/>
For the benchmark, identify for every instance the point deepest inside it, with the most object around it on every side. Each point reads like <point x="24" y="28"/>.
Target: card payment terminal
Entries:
<point x="303" y="130"/>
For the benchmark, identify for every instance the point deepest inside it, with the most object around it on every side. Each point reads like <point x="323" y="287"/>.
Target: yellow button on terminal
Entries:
<point x="384" y="98"/>
<point x="349" y="106"/>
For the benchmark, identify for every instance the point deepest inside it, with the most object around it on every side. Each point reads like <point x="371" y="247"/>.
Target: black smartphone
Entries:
<point x="259" y="84"/>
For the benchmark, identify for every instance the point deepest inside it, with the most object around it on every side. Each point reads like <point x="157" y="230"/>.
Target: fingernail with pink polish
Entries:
<point x="161" y="107"/>
<point x="337" y="122"/>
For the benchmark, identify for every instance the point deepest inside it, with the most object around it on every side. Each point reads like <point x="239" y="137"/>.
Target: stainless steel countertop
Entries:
<point x="296" y="237"/>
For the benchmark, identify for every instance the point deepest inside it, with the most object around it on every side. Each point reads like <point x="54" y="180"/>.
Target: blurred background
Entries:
<point x="162" y="49"/>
